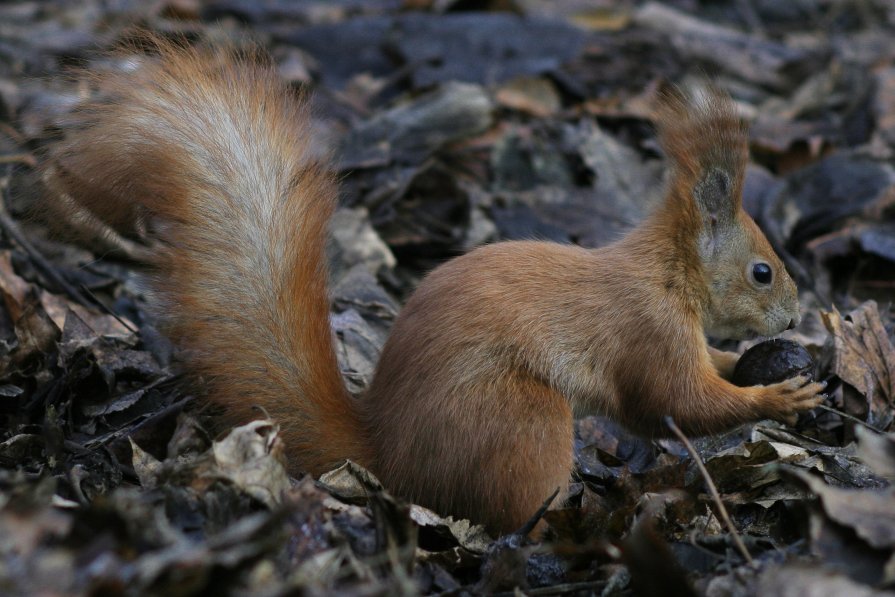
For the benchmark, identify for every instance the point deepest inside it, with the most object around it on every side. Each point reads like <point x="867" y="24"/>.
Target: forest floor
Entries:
<point x="455" y="123"/>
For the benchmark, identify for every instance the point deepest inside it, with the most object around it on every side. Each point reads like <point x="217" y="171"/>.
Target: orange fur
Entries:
<point x="470" y="411"/>
<point x="214" y="149"/>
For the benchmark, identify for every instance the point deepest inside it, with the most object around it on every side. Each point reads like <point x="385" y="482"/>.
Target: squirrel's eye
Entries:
<point x="762" y="273"/>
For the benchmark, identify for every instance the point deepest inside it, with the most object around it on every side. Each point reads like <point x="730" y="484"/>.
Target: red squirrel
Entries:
<point x="471" y="408"/>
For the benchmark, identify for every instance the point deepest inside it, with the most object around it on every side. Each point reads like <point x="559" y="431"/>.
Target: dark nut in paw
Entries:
<point x="773" y="361"/>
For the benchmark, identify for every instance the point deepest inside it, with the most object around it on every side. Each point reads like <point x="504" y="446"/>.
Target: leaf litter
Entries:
<point x="454" y="124"/>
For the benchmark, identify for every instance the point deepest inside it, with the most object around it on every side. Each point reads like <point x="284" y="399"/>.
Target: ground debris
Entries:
<point x="452" y="124"/>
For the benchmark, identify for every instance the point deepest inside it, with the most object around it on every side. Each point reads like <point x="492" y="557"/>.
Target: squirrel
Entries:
<point x="470" y="411"/>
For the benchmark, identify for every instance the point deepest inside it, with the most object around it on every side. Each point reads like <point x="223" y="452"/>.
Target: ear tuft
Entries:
<point x="706" y="142"/>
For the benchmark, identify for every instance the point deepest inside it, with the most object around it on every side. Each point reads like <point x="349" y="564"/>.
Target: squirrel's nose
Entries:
<point x="792" y="324"/>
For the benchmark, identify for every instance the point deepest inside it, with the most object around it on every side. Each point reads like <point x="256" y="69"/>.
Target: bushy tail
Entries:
<point x="214" y="149"/>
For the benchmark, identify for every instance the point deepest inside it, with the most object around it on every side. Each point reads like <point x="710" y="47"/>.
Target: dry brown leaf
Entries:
<point x="145" y="465"/>
<point x="29" y="522"/>
<point x="868" y="513"/>
<point x="58" y="307"/>
<point x="532" y="95"/>
<point x="351" y="482"/>
<point x="602" y="19"/>
<point x="877" y="451"/>
<point x="251" y="457"/>
<point x="468" y="535"/>
<point x="34" y="330"/>
<point x="863" y="355"/>
<point x="806" y="580"/>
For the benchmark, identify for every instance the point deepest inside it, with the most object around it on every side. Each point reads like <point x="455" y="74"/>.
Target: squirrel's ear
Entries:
<point x="715" y="197"/>
<point x="717" y="201"/>
<point x="706" y="143"/>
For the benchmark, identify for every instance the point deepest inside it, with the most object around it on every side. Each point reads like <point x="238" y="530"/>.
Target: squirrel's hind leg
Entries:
<point x="490" y="450"/>
<point x="531" y="459"/>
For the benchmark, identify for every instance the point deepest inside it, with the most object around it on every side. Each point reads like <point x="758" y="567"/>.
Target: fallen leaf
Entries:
<point x="869" y="513"/>
<point x="250" y="456"/>
<point x="862" y="355"/>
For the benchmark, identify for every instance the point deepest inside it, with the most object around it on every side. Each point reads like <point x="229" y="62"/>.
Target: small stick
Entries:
<point x="537" y="516"/>
<point x="12" y="133"/>
<point x="572" y="587"/>
<point x="712" y="489"/>
<point x="127" y="325"/>
<point x="850" y="417"/>
<point x="9" y="226"/>
<point x="19" y="158"/>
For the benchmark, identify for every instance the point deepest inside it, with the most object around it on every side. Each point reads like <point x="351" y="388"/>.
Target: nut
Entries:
<point x="773" y="361"/>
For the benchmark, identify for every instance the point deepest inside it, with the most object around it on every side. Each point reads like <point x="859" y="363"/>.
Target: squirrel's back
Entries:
<point x="212" y="150"/>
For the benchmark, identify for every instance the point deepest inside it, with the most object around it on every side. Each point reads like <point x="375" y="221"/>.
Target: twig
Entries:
<point x="12" y="230"/>
<point x="12" y="133"/>
<point x="532" y="522"/>
<point x="712" y="489"/>
<point x="572" y="587"/>
<point x="98" y="442"/>
<point x="850" y="418"/>
<point x="127" y="325"/>
<point x="19" y="158"/>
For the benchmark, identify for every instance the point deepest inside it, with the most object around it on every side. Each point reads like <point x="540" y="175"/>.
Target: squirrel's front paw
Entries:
<point x="785" y="400"/>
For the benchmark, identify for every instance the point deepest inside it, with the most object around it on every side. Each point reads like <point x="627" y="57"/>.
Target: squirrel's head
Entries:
<point x="747" y="289"/>
<point x="750" y="292"/>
